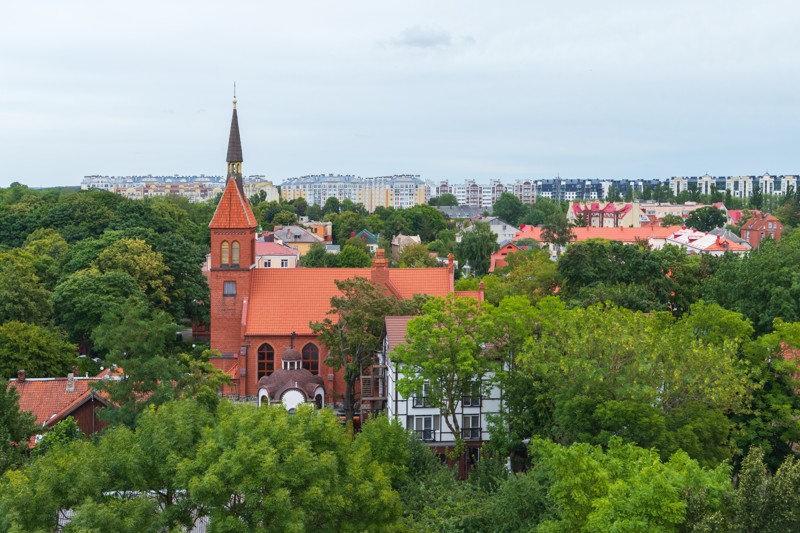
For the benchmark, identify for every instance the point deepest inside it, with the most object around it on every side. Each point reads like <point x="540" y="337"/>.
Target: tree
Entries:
<point x="509" y="208"/>
<point x="41" y="352"/>
<point x="443" y="200"/>
<point x="557" y="231"/>
<point x="48" y="249"/>
<point x="706" y="218"/>
<point x="331" y="206"/>
<point x="345" y="225"/>
<point x="138" y="259"/>
<point x="353" y="335"/>
<point x="252" y="474"/>
<point x="425" y="221"/>
<point x="22" y="295"/>
<point x="672" y="220"/>
<point x="16" y="428"/>
<point x="354" y="257"/>
<point x="284" y="218"/>
<point x="476" y="247"/>
<point x="416" y="256"/>
<point x="446" y="349"/>
<point x="318" y="257"/>
<point x="757" y="198"/>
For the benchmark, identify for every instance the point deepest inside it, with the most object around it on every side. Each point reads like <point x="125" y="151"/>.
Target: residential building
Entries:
<point x="275" y="255"/>
<point x="498" y="259"/>
<point x="499" y="227"/>
<point x="320" y="229"/>
<point x="398" y="191"/>
<point x="416" y="413"/>
<point x="296" y="237"/>
<point x="700" y="242"/>
<point x="370" y="239"/>
<point x="196" y="188"/>
<point x="761" y="226"/>
<point x="401" y="241"/>
<point x="607" y="214"/>
<point x="52" y="400"/>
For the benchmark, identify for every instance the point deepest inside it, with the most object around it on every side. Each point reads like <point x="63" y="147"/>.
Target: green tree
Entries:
<point x="61" y="434"/>
<point x="757" y="198"/>
<point x="331" y="206"/>
<point x="476" y="247"/>
<point x="279" y="485"/>
<point x="416" y="256"/>
<point x="284" y="218"/>
<point x="318" y="257"/>
<point x="16" y="428"/>
<point x="138" y="259"/>
<point x="557" y="231"/>
<point x="446" y="199"/>
<point x="509" y="208"/>
<point x="22" y="295"/>
<point x="346" y="225"/>
<point x="48" y="249"/>
<point x="446" y="349"/>
<point x="82" y="298"/>
<point x="706" y="218"/>
<point x="354" y="257"/>
<point x="672" y="220"/>
<point x="353" y="335"/>
<point x="41" y="352"/>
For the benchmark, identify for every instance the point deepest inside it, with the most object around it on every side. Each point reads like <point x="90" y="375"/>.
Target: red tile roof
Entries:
<point x="286" y="300"/>
<point x="233" y="210"/>
<point x="49" y="400"/>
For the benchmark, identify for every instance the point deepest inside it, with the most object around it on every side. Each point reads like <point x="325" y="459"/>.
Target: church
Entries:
<point x="260" y="316"/>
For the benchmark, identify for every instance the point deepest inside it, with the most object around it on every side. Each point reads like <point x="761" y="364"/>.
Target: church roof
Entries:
<point x="282" y="380"/>
<point x="234" y="210"/>
<point x="234" y="141"/>
<point x="286" y="300"/>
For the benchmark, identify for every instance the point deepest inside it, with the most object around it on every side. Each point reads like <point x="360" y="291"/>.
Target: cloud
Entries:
<point x="420" y="37"/>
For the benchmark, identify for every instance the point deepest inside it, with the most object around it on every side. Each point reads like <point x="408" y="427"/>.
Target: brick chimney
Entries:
<point x="380" y="261"/>
<point x="20" y="376"/>
<point x="71" y="382"/>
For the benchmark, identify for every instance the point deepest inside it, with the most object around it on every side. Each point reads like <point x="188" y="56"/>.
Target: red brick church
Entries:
<point x="258" y="314"/>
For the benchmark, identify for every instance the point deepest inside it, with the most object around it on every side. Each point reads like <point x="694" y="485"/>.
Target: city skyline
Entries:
<point x="507" y="91"/>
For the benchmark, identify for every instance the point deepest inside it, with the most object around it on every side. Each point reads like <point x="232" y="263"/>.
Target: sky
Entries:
<point x="444" y="89"/>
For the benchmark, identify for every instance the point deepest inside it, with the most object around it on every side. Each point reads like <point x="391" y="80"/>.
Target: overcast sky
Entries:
<point x="453" y="90"/>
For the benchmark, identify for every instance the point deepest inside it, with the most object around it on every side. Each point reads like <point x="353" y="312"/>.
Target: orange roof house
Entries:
<point x="258" y="314"/>
<point x="51" y="400"/>
<point x="761" y="226"/>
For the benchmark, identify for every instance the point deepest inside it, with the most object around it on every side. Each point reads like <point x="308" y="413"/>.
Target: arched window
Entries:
<point x="266" y="360"/>
<point x="235" y="254"/>
<point x="225" y="254"/>
<point x="311" y="358"/>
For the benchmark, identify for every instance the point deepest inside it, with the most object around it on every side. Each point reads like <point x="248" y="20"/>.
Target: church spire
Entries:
<point x="235" y="147"/>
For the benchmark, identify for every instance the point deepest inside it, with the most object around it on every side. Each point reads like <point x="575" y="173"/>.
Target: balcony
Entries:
<point x="471" y="433"/>
<point x="426" y="435"/>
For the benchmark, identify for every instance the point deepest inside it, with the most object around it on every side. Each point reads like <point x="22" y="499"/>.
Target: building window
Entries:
<point x="235" y="253"/>
<point x="267" y="263"/>
<point x="311" y="358"/>
<point x="422" y="399"/>
<point x="225" y="253"/>
<point x="266" y="360"/>
<point x="229" y="288"/>
<point x="423" y="426"/>
<point x="284" y="263"/>
<point x="473" y="399"/>
<point x="471" y="427"/>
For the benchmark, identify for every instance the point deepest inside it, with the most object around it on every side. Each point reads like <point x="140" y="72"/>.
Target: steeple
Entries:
<point x="235" y="148"/>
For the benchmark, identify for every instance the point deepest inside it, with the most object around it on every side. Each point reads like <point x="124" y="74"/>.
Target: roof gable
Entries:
<point x="233" y="210"/>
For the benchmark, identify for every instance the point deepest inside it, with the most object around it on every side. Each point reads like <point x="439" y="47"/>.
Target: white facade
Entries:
<point x="503" y="230"/>
<point x="400" y="191"/>
<point x="416" y="414"/>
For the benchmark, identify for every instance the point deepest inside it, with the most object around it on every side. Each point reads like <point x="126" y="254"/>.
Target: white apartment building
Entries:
<point x="416" y="413"/>
<point x="196" y="188"/>
<point x="399" y="191"/>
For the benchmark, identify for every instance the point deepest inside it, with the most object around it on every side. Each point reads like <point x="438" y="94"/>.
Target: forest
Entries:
<point x="645" y="390"/>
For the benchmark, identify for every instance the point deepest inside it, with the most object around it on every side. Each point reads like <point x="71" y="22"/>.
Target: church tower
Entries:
<point x="233" y="252"/>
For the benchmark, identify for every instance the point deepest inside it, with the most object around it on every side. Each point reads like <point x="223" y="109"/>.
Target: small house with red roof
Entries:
<point x="498" y="259"/>
<point x="52" y="400"/>
<point x="761" y="226"/>
<point x="274" y="255"/>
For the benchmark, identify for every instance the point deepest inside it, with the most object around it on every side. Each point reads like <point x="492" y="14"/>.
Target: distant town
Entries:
<point x="406" y="190"/>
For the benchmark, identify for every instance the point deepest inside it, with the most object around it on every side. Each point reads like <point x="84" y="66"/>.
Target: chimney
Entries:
<point x="20" y="376"/>
<point x="451" y="259"/>
<point x="71" y="382"/>
<point x="379" y="261"/>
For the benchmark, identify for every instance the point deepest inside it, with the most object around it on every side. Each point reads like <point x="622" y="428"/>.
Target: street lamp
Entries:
<point x="467" y="270"/>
